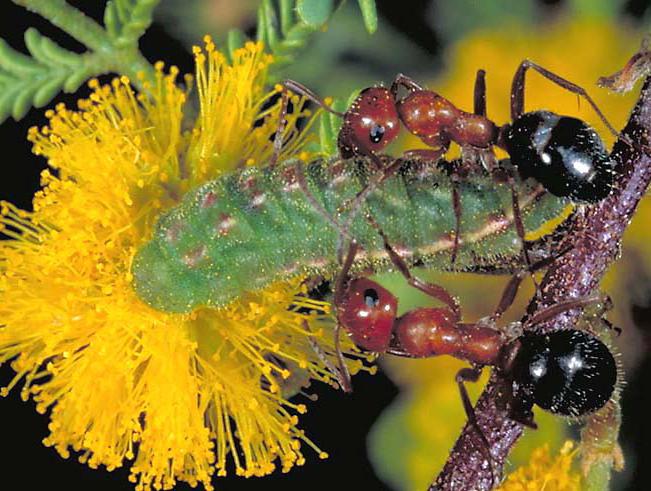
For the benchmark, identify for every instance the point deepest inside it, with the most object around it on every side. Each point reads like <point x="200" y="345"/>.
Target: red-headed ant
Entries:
<point x="569" y="372"/>
<point x="565" y="155"/>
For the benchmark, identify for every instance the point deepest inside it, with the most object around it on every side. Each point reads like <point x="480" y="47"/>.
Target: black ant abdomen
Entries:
<point x="563" y="153"/>
<point x="569" y="373"/>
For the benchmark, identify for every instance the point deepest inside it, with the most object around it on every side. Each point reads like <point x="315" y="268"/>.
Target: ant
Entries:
<point x="563" y="154"/>
<point x="568" y="373"/>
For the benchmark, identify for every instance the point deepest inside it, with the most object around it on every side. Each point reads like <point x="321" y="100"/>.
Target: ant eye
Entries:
<point x="371" y="298"/>
<point x="368" y="314"/>
<point x="376" y="133"/>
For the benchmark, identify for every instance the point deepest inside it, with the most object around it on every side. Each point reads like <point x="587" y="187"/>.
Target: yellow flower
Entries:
<point x="546" y="473"/>
<point x="182" y="396"/>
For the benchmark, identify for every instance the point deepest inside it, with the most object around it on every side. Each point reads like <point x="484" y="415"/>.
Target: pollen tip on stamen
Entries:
<point x="128" y="117"/>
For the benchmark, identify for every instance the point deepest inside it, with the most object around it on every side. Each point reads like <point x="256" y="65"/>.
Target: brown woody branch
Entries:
<point x="594" y="235"/>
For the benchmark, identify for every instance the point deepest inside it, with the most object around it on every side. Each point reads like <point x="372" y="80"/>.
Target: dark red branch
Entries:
<point x="594" y="235"/>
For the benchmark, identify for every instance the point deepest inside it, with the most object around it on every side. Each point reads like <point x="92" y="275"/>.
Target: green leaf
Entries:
<point x="369" y="14"/>
<point x="330" y="124"/>
<point x="127" y="20"/>
<point x="286" y="26"/>
<point x="234" y="41"/>
<point x="35" y="81"/>
<point x="267" y="15"/>
<point x="315" y="13"/>
<point x="286" y="15"/>
<point x="600" y="9"/>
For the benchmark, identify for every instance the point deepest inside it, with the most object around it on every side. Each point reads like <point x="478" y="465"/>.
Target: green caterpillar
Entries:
<point x="250" y="228"/>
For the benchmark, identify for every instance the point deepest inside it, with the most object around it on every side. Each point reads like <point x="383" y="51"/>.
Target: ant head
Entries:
<point x="370" y="124"/>
<point x="368" y="314"/>
<point x="570" y="372"/>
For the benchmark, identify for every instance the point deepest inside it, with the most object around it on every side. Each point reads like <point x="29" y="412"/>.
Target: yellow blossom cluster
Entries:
<point x="181" y="396"/>
<point x="546" y="473"/>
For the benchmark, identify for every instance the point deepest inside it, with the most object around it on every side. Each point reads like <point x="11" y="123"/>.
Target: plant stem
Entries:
<point x="130" y="62"/>
<point x="69" y="19"/>
<point x="595" y="235"/>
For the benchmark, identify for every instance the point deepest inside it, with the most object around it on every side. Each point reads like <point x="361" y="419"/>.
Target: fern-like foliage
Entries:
<point x="127" y="20"/>
<point x="34" y="80"/>
<point x="285" y="26"/>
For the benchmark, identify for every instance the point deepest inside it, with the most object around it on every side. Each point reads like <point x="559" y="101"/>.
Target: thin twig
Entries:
<point x="595" y="235"/>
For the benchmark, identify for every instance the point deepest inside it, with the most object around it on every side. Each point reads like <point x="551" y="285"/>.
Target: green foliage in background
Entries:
<point x="286" y="26"/>
<point x="34" y="80"/>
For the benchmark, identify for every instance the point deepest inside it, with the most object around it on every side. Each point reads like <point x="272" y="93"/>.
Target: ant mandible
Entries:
<point x="565" y="155"/>
<point x="568" y="373"/>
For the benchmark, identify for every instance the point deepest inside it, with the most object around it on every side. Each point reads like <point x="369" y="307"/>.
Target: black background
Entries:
<point x="339" y="423"/>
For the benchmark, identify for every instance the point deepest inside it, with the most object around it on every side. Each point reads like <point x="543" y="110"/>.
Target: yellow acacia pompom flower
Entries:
<point x="546" y="473"/>
<point x="181" y="396"/>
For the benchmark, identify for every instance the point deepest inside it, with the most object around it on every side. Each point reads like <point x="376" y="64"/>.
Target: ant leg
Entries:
<point x="480" y="93"/>
<point x="341" y="284"/>
<point x="519" y="227"/>
<point x="472" y="375"/>
<point x="342" y="376"/>
<point x="384" y="172"/>
<point x="373" y="183"/>
<point x="435" y="291"/>
<point x="408" y="83"/>
<point x="432" y="155"/>
<point x="280" y="130"/>
<point x="610" y="326"/>
<point x="485" y="156"/>
<point x="524" y="417"/>
<point x="301" y="89"/>
<point x="552" y="311"/>
<point x="297" y="88"/>
<point x="512" y="287"/>
<point x="606" y="304"/>
<point x="342" y="278"/>
<point x="344" y="230"/>
<point x="517" y="92"/>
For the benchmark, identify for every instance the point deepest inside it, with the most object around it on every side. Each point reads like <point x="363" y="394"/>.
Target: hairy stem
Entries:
<point x="594" y="235"/>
